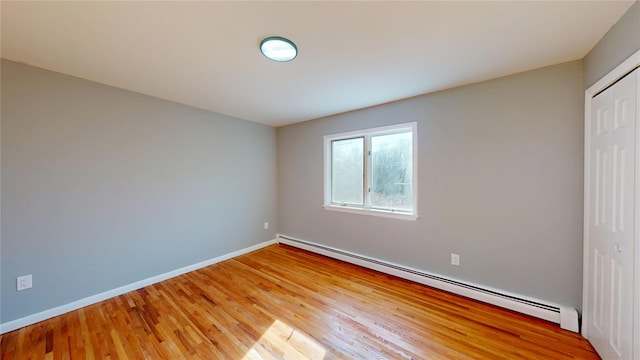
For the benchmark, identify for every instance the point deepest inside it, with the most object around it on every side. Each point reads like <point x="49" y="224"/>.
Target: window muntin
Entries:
<point x="373" y="171"/>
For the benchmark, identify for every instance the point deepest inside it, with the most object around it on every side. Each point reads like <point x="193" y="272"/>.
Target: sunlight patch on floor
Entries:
<point x="283" y="341"/>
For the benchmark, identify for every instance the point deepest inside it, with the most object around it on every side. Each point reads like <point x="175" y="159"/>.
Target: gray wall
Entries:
<point x="500" y="183"/>
<point x="102" y="187"/>
<point x="622" y="41"/>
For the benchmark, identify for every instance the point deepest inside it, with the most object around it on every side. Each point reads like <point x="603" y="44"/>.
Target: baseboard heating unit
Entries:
<point x="567" y="317"/>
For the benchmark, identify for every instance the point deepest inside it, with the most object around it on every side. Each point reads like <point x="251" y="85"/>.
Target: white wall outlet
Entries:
<point x="266" y="225"/>
<point x="455" y="259"/>
<point x="24" y="282"/>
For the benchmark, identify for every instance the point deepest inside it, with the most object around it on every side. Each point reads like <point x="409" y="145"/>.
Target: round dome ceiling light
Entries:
<point x="278" y="48"/>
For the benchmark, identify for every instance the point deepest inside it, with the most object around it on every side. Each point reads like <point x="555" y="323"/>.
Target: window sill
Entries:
<point x="372" y="212"/>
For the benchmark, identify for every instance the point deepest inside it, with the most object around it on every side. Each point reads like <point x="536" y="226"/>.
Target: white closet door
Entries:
<point x="622" y="212"/>
<point x="599" y="203"/>
<point x="611" y="219"/>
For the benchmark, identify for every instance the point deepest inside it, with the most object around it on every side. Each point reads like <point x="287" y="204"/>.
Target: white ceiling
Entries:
<point x="352" y="54"/>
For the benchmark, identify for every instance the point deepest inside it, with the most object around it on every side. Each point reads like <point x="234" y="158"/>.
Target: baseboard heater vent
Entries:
<point x="567" y="317"/>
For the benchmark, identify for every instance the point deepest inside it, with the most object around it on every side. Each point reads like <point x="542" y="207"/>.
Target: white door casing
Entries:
<point x="610" y="299"/>
<point x="636" y="241"/>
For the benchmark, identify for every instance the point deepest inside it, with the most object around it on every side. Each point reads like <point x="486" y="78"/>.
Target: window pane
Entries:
<point x="347" y="171"/>
<point x="391" y="172"/>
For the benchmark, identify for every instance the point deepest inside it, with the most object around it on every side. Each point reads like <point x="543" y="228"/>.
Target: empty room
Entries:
<point x="320" y="180"/>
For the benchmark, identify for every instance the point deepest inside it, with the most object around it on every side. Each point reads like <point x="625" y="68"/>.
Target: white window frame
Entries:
<point x="367" y="209"/>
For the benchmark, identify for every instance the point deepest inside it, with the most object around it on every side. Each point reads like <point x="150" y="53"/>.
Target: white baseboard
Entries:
<point x="47" y="314"/>
<point x="567" y="317"/>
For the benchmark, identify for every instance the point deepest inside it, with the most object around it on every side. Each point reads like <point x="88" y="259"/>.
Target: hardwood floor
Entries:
<point x="283" y="303"/>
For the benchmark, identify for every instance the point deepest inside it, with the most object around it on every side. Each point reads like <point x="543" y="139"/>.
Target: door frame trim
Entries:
<point x="614" y="75"/>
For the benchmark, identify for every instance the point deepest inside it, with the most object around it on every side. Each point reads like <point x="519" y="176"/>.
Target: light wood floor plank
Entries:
<point x="284" y="303"/>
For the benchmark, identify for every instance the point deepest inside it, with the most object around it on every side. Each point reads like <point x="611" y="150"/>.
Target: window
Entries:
<point x="373" y="171"/>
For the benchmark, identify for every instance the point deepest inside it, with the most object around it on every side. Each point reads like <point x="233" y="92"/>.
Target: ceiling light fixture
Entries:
<point x="278" y="48"/>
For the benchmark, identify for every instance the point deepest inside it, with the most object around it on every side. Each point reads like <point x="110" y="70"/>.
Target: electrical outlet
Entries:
<point x="455" y="259"/>
<point x="24" y="282"/>
<point x="266" y="225"/>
